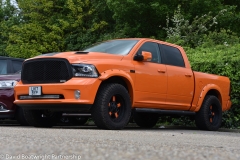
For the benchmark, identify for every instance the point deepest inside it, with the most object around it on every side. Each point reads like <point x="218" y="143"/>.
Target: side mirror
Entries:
<point x="145" y="56"/>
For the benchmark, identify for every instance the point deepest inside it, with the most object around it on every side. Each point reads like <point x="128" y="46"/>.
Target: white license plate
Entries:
<point x="35" y="91"/>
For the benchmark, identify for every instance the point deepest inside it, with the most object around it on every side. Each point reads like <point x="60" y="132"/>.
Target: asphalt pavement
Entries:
<point x="131" y="143"/>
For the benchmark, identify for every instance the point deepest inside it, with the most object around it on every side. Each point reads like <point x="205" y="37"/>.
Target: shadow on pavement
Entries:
<point x="130" y="126"/>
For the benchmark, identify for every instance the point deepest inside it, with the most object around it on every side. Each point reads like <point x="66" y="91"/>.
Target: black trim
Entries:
<point x="25" y="76"/>
<point x="165" y="112"/>
<point x="81" y="52"/>
<point x="57" y="107"/>
<point x="43" y="96"/>
<point x="138" y="57"/>
<point x="132" y="71"/>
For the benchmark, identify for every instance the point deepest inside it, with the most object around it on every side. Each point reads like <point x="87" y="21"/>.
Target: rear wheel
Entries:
<point x="41" y="118"/>
<point x="112" y="107"/>
<point x="145" y="120"/>
<point x="209" y="117"/>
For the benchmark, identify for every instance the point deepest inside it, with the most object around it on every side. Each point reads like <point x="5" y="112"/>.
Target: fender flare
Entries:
<point x="120" y="73"/>
<point x="204" y="92"/>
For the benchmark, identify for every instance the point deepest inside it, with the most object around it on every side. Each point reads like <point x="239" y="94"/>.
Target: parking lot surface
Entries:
<point x="90" y="143"/>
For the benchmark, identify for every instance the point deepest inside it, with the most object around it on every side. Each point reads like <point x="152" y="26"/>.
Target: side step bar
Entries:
<point x="77" y="114"/>
<point x="165" y="112"/>
<point x="146" y="110"/>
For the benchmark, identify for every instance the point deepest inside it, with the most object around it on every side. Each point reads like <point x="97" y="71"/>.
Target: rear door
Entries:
<point x="180" y="79"/>
<point x="151" y="78"/>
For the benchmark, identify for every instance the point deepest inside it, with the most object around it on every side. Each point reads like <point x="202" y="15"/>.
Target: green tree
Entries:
<point x="50" y="26"/>
<point x="146" y="18"/>
<point x="141" y="18"/>
<point x="8" y="17"/>
<point x="95" y="24"/>
<point x="41" y="29"/>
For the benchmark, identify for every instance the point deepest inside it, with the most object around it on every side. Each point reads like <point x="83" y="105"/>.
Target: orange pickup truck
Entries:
<point x="116" y="79"/>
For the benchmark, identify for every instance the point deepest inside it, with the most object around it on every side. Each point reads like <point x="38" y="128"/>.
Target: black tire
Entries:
<point x="78" y="120"/>
<point x="209" y="117"/>
<point x="145" y="120"/>
<point x="112" y="107"/>
<point x="41" y="118"/>
<point x="20" y="117"/>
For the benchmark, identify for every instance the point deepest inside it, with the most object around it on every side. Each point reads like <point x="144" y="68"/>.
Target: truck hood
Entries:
<point x="16" y="77"/>
<point x="78" y="56"/>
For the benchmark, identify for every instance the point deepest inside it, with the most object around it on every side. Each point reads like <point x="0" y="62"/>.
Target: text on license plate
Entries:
<point x="36" y="90"/>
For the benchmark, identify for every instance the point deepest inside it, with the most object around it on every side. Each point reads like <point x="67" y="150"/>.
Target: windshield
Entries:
<point x="120" y="47"/>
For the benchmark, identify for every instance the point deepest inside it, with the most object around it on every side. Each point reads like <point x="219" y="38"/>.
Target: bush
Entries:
<point x="192" y="33"/>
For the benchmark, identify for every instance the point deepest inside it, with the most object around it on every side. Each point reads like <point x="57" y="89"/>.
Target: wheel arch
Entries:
<point x="120" y="77"/>
<point x="210" y="89"/>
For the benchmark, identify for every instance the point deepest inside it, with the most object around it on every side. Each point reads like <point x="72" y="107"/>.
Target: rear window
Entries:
<point x="172" y="56"/>
<point x="120" y="47"/>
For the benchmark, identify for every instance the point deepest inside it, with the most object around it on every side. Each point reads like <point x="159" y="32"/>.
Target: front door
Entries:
<point x="151" y="79"/>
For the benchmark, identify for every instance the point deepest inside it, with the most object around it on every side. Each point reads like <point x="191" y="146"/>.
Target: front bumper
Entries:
<point x="88" y="88"/>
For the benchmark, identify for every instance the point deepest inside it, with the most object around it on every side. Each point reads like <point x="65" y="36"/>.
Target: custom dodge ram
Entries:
<point x="116" y="79"/>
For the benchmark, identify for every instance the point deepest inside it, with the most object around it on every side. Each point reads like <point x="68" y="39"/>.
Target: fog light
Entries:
<point x="77" y="94"/>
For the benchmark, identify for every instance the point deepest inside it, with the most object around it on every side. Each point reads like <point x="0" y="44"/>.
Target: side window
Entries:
<point x="17" y="65"/>
<point x="172" y="56"/>
<point x="3" y="66"/>
<point x="153" y="48"/>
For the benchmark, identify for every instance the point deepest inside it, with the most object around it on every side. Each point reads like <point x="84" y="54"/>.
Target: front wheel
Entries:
<point x="112" y="107"/>
<point x="20" y="116"/>
<point x="40" y="118"/>
<point x="209" y="117"/>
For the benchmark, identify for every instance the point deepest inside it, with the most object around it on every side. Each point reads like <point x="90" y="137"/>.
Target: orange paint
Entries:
<point x="150" y="84"/>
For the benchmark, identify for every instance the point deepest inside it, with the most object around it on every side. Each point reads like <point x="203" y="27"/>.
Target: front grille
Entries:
<point x="42" y="70"/>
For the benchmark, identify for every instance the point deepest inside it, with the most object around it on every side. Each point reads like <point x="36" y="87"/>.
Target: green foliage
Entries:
<point x="141" y="18"/>
<point x="223" y="37"/>
<point x="40" y="31"/>
<point x="94" y="22"/>
<point x="188" y="121"/>
<point x="50" y="26"/>
<point x="190" y="34"/>
<point x="7" y="18"/>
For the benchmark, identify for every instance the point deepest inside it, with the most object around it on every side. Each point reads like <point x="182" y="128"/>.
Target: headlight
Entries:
<point x="84" y="70"/>
<point x="7" y="84"/>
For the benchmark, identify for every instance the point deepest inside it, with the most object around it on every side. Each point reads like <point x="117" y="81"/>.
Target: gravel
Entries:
<point x="88" y="142"/>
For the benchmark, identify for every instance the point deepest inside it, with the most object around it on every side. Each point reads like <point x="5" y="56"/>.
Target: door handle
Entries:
<point x="161" y="71"/>
<point x="188" y="75"/>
